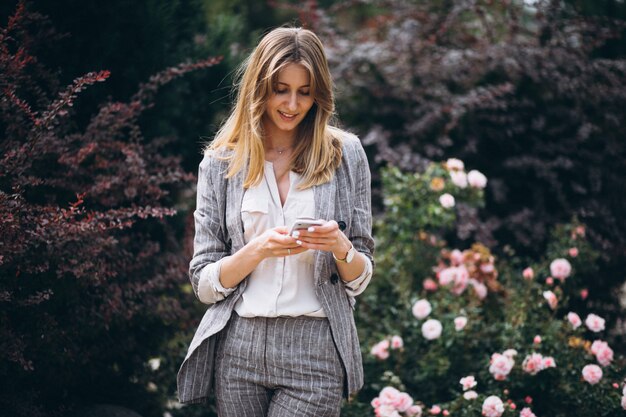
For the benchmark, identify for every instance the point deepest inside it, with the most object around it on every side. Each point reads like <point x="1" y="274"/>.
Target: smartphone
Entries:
<point x="304" y="223"/>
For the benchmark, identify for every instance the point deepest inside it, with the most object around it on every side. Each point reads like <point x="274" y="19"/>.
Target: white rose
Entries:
<point x="446" y="200"/>
<point x="431" y="329"/>
<point x="459" y="178"/>
<point x="459" y="323"/>
<point x="455" y="164"/>
<point x="421" y="309"/>
<point x="476" y="179"/>
<point x="470" y="395"/>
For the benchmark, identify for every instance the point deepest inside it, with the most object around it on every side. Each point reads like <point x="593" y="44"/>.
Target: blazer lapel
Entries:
<point x="324" y="209"/>
<point x="234" y="197"/>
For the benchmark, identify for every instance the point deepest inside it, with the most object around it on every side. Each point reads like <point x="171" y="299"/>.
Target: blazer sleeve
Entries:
<point x="361" y="221"/>
<point x="210" y="244"/>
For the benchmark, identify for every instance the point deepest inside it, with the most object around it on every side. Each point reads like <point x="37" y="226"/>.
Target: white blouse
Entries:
<point x="280" y="286"/>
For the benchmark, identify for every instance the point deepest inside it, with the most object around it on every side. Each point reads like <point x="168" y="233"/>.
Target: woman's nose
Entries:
<point x="293" y="102"/>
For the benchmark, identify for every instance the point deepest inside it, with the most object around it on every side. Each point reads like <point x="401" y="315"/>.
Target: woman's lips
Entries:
<point x="286" y="116"/>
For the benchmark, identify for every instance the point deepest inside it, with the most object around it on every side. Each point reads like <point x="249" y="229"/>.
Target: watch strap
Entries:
<point x="349" y="255"/>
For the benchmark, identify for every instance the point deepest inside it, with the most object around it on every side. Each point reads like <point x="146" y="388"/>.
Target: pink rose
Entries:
<point x="397" y="342"/>
<point x="594" y="323"/>
<point x="435" y="409"/>
<point x="537" y="340"/>
<point x="381" y="349"/>
<point x="604" y="354"/>
<point x="493" y="407"/>
<point x="500" y="366"/>
<point x="548" y="362"/>
<point x="455" y="164"/>
<point x="421" y="309"/>
<point x="446" y="413"/>
<point x="403" y="402"/>
<point x="510" y="353"/>
<point x="457" y="276"/>
<point x="528" y="399"/>
<point x="468" y="382"/>
<point x="526" y="412"/>
<point x="459" y="323"/>
<point x="592" y="374"/>
<point x="476" y="179"/>
<point x="528" y="273"/>
<point x="461" y="278"/>
<point x="487" y="268"/>
<point x="584" y="293"/>
<point x="431" y="329"/>
<point x="470" y="395"/>
<point x="456" y="257"/>
<point x="388" y="395"/>
<point x="560" y="268"/>
<point x="459" y="178"/>
<point x="430" y="285"/>
<point x="533" y="363"/>
<point x="376" y="402"/>
<point x="414" y="411"/>
<point x="573" y="252"/>
<point x="479" y="288"/>
<point x="551" y="299"/>
<point x="597" y="345"/>
<point x="549" y="281"/>
<point x="446" y="200"/>
<point x="446" y="276"/>
<point x="574" y="319"/>
<point x="386" y="411"/>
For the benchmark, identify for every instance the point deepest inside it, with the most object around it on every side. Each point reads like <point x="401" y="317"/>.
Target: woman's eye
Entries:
<point x="305" y="93"/>
<point x="280" y="91"/>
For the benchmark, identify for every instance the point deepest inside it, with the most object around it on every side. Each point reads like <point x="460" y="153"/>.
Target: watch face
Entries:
<point x="350" y="254"/>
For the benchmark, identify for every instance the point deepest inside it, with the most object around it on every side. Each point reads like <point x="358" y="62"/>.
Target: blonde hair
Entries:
<point x="317" y="151"/>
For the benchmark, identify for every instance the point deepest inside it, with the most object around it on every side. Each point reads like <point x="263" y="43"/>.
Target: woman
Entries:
<point x="279" y="337"/>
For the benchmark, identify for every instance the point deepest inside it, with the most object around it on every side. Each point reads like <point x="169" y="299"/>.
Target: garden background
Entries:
<point x="496" y="136"/>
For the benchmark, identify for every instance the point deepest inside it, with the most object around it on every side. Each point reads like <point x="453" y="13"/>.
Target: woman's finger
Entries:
<point x="327" y="227"/>
<point x="316" y="246"/>
<point x="303" y="234"/>
<point x="291" y="251"/>
<point x="283" y="240"/>
<point x="318" y="240"/>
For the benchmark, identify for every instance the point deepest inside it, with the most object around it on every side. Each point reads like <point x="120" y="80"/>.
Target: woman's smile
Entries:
<point x="287" y="116"/>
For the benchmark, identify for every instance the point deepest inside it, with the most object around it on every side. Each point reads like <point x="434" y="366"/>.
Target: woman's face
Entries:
<point x="290" y="99"/>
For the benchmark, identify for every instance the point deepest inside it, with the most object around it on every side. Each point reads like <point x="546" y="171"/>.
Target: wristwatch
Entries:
<point x="349" y="256"/>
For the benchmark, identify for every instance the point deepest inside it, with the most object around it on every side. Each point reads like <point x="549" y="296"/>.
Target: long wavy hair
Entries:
<point x="317" y="152"/>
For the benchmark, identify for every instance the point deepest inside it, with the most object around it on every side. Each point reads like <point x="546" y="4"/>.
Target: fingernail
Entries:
<point x="295" y="234"/>
<point x="310" y="229"/>
<point x="299" y="242"/>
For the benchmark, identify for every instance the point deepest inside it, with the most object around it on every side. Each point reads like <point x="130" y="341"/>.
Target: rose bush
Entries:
<point x="482" y="335"/>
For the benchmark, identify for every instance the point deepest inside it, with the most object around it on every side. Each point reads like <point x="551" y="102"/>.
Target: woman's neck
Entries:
<point x="278" y="140"/>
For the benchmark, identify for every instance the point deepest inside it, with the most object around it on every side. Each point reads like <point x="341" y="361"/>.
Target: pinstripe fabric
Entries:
<point x="277" y="367"/>
<point x="219" y="232"/>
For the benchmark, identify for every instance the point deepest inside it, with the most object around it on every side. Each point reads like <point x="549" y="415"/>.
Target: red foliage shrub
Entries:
<point x="90" y="269"/>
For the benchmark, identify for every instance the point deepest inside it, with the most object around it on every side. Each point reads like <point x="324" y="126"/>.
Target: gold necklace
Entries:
<point x="280" y="151"/>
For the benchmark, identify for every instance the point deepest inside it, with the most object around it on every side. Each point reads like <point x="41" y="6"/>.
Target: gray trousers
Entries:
<point x="277" y="367"/>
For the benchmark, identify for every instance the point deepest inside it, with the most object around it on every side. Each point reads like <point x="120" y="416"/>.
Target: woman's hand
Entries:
<point x="276" y="242"/>
<point x="326" y="237"/>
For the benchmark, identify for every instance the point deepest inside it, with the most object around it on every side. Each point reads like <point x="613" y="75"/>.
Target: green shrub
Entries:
<point x="505" y="301"/>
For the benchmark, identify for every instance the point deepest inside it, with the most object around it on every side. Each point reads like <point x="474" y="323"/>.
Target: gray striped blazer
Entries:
<point x="219" y="232"/>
